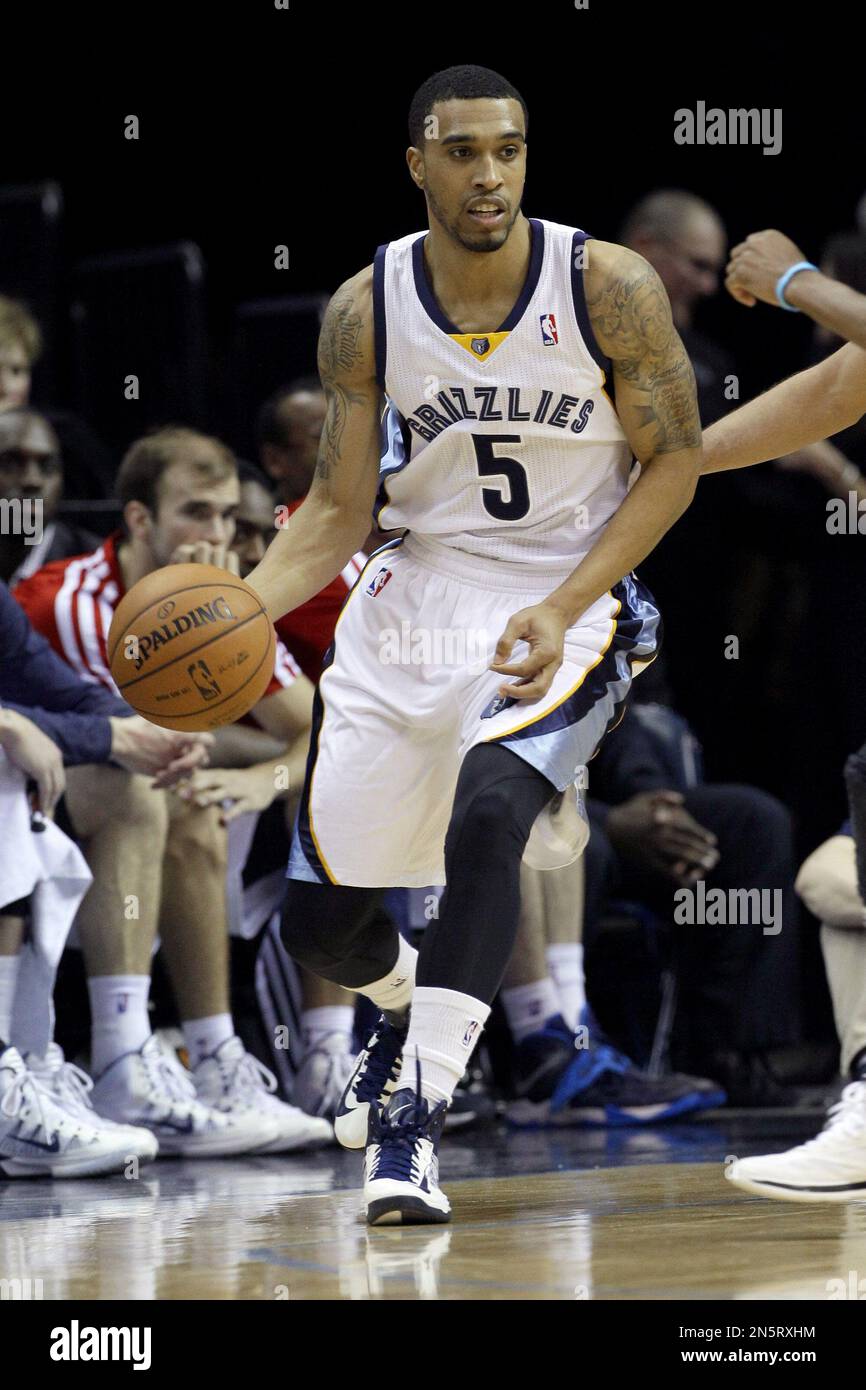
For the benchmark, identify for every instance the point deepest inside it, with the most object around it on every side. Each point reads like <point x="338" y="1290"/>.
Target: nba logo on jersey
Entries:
<point x="497" y="704"/>
<point x="549" y="335"/>
<point x="378" y="582"/>
<point x="470" y="1033"/>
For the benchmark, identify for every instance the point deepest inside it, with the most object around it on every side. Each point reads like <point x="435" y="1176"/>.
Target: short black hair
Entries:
<point x="466" y="82"/>
<point x="269" y="425"/>
<point x="250" y="473"/>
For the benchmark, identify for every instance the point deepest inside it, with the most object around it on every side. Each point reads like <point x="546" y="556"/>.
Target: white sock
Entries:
<point x="333" y="1022"/>
<point x="9" y="967"/>
<point x="443" y="1030"/>
<point x="393" y="993"/>
<point x="119" y="1019"/>
<point x="204" y="1035"/>
<point x="565" y="962"/>
<point x="528" y="1007"/>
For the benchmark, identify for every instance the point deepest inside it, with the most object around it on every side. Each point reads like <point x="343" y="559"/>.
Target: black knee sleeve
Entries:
<point x="339" y="932"/>
<point x="497" y="800"/>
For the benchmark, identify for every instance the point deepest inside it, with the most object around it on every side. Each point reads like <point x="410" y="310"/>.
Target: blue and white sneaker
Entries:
<point x="401" y="1164"/>
<point x="40" y="1139"/>
<point x="560" y="1082"/>
<point x="373" y="1078"/>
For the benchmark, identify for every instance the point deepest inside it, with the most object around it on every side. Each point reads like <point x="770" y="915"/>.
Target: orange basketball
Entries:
<point x="191" y="647"/>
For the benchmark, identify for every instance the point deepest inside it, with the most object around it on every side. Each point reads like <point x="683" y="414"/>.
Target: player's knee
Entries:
<point x="338" y="933"/>
<point x="490" y="824"/>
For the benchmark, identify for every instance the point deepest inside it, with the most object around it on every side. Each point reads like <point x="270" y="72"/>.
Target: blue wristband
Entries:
<point x="782" y="282"/>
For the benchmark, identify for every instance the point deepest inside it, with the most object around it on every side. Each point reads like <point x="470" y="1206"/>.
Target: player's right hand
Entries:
<point x="36" y="754"/>
<point x="206" y="553"/>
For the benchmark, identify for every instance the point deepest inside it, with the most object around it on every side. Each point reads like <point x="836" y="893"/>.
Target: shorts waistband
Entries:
<point x="507" y="576"/>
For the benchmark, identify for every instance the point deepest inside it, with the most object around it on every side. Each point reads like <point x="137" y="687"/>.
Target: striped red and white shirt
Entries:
<point x="72" y="603"/>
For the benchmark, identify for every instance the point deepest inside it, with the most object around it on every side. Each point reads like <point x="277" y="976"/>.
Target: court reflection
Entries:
<point x="597" y="1215"/>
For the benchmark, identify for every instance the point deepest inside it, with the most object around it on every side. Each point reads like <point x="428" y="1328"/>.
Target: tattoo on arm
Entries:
<point x="339" y="353"/>
<point x="632" y="321"/>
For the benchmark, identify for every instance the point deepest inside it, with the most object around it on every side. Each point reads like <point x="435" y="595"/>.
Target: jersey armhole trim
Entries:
<point x="581" y="313"/>
<point x="380" y="328"/>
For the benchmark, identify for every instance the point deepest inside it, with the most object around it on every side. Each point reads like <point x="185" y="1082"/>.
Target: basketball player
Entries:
<point x="491" y="338"/>
<point x="821" y="401"/>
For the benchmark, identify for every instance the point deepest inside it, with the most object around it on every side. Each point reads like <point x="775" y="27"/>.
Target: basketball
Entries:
<point x="191" y="647"/>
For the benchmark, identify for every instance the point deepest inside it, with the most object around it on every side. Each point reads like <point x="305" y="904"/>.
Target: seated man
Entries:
<point x="664" y="847"/>
<point x="327" y="1011"/>
<point x="31" y="473"/>
<point x="178" y="490"/>
<point x="565" y="1072"/>
<point x="832" y="884"/>
<point x="50" y="718"/>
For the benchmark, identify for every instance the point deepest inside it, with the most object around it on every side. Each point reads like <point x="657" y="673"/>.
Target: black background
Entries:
<point x="260" y="127"/>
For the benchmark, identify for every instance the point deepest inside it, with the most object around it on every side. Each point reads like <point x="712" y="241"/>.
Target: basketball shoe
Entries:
<point x="373" y="1078"/>
<point x="39" y="1139"/>
<point x="238" y="1085"/>
<point x="143" y="1089"/>
<point x="322" y="1077"/>
<point x="401" y="1163"/>
<point x="559" y="1082"/>
<point x="70" y="1088"/>
<point x="829" y="1168"/>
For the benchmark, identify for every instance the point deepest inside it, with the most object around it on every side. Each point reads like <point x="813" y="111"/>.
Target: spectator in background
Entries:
<point x="31" y="471"/>
<point x="814" y="510"/>
<point x="327" y="1010"/>
<point x="50" y="719"/>
<point x="179" y="490"/>
<point x="831" y="1167"/>
<point x="89" y="465"/>
<point x="288" y="431"/>
<point x="20" y="345"/>
<point x="738" y="987"/>
<point x="684" y="239"/>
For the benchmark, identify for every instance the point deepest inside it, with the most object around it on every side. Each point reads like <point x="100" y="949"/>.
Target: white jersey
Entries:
<point x="503" y="444"/>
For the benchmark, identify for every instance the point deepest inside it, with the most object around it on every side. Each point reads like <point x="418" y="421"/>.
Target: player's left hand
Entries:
<point x="755" y="265"/>
<point x="543" y="629"/>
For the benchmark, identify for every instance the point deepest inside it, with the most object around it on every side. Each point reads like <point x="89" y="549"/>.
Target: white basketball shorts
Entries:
<point x="407" y="691"/>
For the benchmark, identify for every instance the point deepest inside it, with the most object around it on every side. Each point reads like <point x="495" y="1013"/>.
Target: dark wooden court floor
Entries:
<point x="622" y="1214"/>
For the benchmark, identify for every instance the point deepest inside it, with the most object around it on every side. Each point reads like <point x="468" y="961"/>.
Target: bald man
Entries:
<point x="684" y="240"/>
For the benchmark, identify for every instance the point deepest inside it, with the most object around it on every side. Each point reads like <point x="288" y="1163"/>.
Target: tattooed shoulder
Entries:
<point x="627" y="304"/>
<point x="631" y="318"/>
<point x="346" y="366"/>
<point x="346" y="338"/>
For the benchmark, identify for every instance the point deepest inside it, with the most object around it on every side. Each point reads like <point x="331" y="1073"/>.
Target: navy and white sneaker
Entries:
<point x="559" y="1082"/>
<point x="39" y="1138"/>
<point x="150" y="1090"/>
<point x="373" y="1078"/>
<point x="401" y="1164"/>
